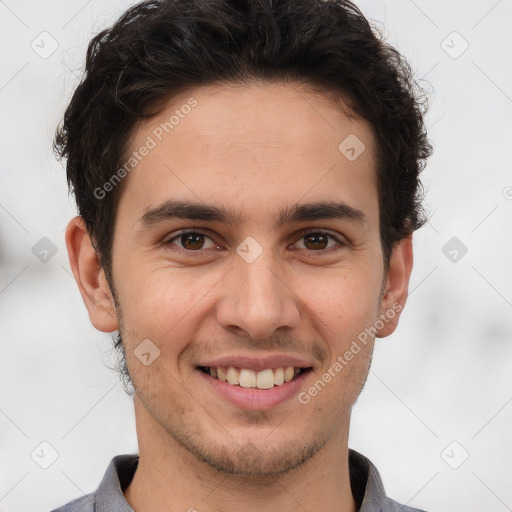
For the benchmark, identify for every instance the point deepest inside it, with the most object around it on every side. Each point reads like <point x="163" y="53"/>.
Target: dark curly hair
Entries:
<point x="160" y="48"/>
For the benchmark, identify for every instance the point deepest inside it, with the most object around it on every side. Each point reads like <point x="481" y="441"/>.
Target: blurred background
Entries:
<point x="436" y="413"/>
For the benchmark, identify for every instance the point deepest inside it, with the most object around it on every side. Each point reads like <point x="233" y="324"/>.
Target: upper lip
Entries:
<point x="257" y="363"/>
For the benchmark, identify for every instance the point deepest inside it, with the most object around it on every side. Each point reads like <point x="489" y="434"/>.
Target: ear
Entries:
<point x="395" y="286"/>
<point x="90" y="277"/>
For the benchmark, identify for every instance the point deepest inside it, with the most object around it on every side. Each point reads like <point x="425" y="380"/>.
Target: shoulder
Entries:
<point x="83" y="504"/>
<point x="368" y="489"/>
<point x="109" y="495"/>
<point x="393" y="506"/>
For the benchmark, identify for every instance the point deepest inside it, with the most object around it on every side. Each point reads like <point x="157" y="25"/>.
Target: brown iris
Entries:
<point x="192" y="241"/>
<point x="316" y="240"/>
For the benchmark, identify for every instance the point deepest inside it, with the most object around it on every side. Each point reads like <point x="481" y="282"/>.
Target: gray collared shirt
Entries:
<point x="365" y="481"/>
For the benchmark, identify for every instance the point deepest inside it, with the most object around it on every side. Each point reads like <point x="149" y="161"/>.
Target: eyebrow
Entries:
<point x="190" y="210"/>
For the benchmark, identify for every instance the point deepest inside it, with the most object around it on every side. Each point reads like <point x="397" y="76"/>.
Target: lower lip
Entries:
<point x="253" y="398"/>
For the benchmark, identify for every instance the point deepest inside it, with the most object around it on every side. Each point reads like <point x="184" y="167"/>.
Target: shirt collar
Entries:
<point x="365" y="482"/>
<point x="119" y="474"/>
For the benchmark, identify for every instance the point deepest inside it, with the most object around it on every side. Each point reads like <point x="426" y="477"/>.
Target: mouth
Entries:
<point x="246" y="378"/>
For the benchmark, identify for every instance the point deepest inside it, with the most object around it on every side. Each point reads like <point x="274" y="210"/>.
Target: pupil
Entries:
<point x="192" y="241"/>
<point x="317" y="238"/>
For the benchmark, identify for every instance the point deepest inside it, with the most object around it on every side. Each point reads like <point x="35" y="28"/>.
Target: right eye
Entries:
<point x="191" y="241"/>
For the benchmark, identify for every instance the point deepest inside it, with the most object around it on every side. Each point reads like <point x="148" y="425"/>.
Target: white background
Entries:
<point x="444" y="376"/>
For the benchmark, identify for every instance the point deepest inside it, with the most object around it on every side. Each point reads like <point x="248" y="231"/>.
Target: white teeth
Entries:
<point x="245" y="378"/>
<point x="279" y="377"/>
<point x="233" y="376"/>
<point x="265" y="379"/>
<point x="289" y="373"/>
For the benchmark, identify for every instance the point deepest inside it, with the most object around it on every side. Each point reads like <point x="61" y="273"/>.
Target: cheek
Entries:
<point x="345" y="302"/>
<point x="161" y="305"/>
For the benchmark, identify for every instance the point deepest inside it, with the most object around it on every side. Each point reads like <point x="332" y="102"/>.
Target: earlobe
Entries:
<point x="396" y="286"/>
<point x="90" y="277"/>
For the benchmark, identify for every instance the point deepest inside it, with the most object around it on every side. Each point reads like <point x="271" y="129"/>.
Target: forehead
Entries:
<point x="260" y="144"/>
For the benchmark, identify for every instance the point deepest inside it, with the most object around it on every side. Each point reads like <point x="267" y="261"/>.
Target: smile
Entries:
<point x="247" y="378"/>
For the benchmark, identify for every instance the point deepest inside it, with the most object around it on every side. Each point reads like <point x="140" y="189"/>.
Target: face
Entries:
<point x="247" y="248"/>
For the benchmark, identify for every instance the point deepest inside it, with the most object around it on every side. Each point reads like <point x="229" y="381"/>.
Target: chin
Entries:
<point x="251" y="461"/>
<point x="258" y="458"/>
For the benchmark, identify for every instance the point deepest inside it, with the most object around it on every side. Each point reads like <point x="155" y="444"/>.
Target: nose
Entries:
<point x="256" y="302"/>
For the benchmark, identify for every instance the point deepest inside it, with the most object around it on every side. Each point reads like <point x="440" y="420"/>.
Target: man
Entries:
<point x="246" y="175"/>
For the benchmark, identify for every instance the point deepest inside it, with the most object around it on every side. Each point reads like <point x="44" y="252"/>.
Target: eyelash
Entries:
<point x="302" y="234"/>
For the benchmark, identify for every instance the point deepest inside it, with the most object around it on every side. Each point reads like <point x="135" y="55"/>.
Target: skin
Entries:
<point x="255" y="150"/>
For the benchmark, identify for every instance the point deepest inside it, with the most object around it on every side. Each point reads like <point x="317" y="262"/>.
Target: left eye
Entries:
<point x="317" y="241"/>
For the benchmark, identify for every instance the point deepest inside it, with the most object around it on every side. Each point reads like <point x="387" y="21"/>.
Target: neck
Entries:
<point x="170" y="478"/>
